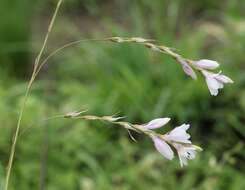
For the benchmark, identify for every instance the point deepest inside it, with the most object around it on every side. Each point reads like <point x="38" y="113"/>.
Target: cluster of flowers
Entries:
<point x="215" y="81"/>
<point x="177" y="138"/>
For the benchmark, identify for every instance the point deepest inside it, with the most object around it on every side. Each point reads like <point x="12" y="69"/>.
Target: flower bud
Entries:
<point x="206" y="64"/>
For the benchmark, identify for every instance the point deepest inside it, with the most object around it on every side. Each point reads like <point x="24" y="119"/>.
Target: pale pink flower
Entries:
<point x="206" y="64"/>
<point x="163" y="148"/>
<point x="178" y="138"/>
<point x="186" y="152"/>
<point x="156" y="123"/>
<point x="178" y="134"/>
<point x="215" y="81"/>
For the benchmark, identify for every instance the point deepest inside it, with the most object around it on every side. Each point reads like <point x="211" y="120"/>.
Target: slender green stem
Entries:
<point x="49" y="30"/>
<point x="61" y="48"/>
<point x="40" y="121"/>
<point x="37" y="60"/>
<point x="10" y="163"/>
<point x="162" y="49"/>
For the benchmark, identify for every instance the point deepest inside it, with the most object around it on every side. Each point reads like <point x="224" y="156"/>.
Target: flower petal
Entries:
<point x="206" y="64"/>
<point x="213" y="85"/>
<point x="185" y="153"/>
<point x="215" y="81"/>
<point x="180" y="129"/>
<point x="178" y="134"/>
<point x="163" y="148"/>
<point x="182" y="160"/>
<point x="184" y="126"/>
<point x="190" y="153"/>
<point x="224" y="79"/>
<point x="179" y="138"/>
<point x="157" y="123"/>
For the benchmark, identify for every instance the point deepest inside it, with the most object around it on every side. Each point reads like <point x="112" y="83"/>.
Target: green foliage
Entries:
<point x="128" y="79"/>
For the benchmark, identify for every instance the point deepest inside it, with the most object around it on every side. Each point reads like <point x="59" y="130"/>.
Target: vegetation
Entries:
<point x="129" y="80"/>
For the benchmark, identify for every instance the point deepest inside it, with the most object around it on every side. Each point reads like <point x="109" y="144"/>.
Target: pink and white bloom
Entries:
<point x="178" y="134"/>
<point x="163" y="148"/>
<point x="186" y="152"/>
<point x="177" y="138"/>
<point x="215" y="81"/>
<point x="156" y="123"/>
<point x="205" y="64"/>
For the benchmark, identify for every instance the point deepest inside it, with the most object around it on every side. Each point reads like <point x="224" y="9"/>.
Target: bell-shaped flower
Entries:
<point x="186" y="152"/>
<point x="178" y="134"/>
<point x="156" y="123"/>
<point x="163" y="148"/>
<point x="215" y="81"/>
<point x="205" y="64"/>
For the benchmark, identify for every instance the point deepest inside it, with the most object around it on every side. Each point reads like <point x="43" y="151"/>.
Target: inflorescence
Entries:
<point x="215" y="81"/>
<point x="177" y="138"/>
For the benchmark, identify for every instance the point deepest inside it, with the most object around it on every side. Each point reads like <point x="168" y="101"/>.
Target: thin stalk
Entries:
<point x="61" y="48"/>
<point x="37" y="60"/>
<point x="137" y="40"/>
<point x="40" y="121"/>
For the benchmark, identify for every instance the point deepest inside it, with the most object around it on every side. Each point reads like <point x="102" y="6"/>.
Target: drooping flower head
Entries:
<point x="177" y="138"/>
<point x="215" y="81"/>
<point x="180" y="140"/>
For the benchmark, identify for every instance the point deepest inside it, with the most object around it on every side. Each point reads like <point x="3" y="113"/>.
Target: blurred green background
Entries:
<point x="128" y="79"/>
